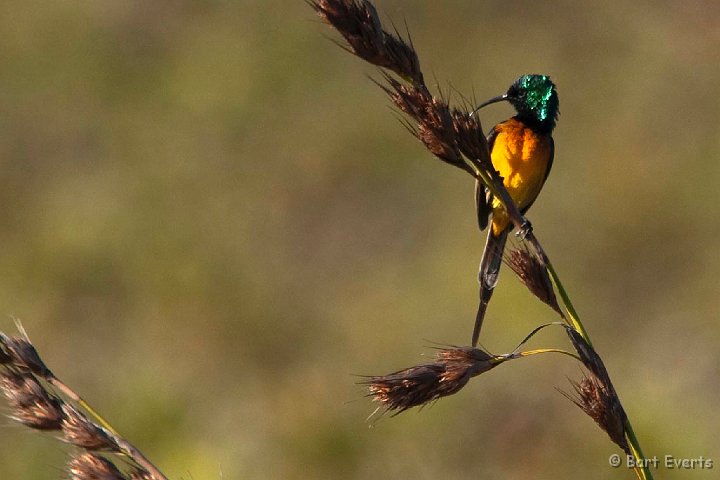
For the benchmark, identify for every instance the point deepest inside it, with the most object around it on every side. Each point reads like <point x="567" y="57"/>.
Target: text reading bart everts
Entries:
<point x="670" y="462"/>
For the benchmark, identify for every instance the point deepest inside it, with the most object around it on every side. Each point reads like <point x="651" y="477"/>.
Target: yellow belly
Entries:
<point x="522" y="157"/>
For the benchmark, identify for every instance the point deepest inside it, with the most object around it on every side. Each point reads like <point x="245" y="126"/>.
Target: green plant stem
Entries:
<point x="70" y="393"/>
<point x="538" y="351"/>
<point x="572" y="313"/>
<point x="643" y="471"/>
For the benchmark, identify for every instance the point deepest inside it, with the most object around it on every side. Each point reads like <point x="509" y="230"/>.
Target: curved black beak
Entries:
<point x="499" y="98"/>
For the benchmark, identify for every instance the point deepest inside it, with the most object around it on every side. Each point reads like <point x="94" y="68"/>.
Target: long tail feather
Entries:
<point x="488" y="276"/>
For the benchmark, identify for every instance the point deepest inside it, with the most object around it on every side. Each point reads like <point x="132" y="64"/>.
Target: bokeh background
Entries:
<point x="210" y="220"/>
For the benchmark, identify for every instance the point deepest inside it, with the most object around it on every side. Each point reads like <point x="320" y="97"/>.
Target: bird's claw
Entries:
<point x="524" y="230"/>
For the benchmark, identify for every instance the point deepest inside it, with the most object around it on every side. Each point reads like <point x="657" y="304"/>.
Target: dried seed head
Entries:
<point x="358" y="22"/>
<point x="448" y="135"/>
<point x="419" y="385"/>
<point x="140" y="474"/>
<point x="81" y="432"/>
<point x="470" y="139"/>
<point x="32" y="405"/>
<point x="600" y="402"/>
<point x="588" y="355"/>
<point x="533" y="274"/>
<point x="596" y="395"/>
<point x="88" y="466"/>
<point x="5" y="357"/>
<point x="434" y="126"/>
<point x="23" y="355"/>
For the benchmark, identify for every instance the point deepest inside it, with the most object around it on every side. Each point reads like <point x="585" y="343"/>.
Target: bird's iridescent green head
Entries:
<point x="535" y="99"/>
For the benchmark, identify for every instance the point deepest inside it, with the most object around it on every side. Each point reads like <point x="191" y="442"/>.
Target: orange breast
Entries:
<point x="522" y="157"/>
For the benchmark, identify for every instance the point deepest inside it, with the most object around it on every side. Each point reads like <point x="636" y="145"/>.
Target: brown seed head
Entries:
<point x="358" y="22"/>
<point x="23" y="355"/>
<point x="5" y="358"/>
<point x="600" y="402"/>
<point x="533" y="274"/>
<point x="32" y="405"/>
<point x="419" y="385"/>
<point x="596" y="395"/>
<point x="590" y="358"/>
<point x="470" y="139"/>
<point x="81" y="432"/>
<point x="140" y="474"/>
<point x="88" y="466"/>
<point x="433" y="124"/>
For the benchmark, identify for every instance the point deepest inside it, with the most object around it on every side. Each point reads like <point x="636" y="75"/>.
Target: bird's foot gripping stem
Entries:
<point x="524" y="230"/>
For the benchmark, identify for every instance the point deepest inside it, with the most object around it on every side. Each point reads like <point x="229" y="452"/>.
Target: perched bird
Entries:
<point x="522" y="151"/>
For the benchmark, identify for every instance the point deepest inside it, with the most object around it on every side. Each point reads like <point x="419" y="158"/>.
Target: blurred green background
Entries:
<point x="210" y="220"/>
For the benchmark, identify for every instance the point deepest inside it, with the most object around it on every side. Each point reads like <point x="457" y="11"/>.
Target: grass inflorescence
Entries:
<point x="455" y="136"/>
<point x="41" y="401"/>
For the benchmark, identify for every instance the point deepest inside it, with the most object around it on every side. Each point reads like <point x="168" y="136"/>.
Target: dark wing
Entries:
<point x="482" y="196"/>
<point x="481" y="205"/>
<point x="547" y="172"/>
